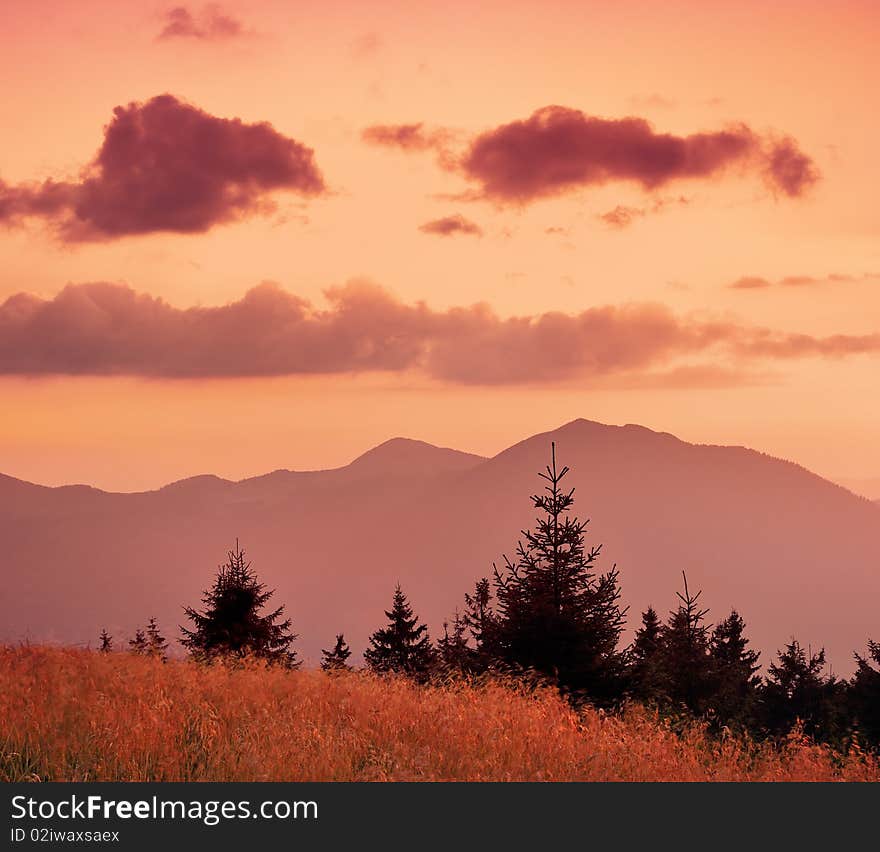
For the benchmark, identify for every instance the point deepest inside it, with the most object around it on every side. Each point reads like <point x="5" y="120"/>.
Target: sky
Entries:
<point x="250" y="236"/>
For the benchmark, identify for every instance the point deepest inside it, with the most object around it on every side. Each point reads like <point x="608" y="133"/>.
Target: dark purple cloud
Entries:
<point x="211" y="23"/>
<point x="558" y="150"/>
<point x="109" y="329"/>
<point x="165" y="165"/>
<point x="449" y="226"/>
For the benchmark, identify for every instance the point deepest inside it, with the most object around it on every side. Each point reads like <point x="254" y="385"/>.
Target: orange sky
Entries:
<point x="321" y="73"/>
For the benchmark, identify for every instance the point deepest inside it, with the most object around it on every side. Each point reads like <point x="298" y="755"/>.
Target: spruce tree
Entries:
<point x="481" y="622"/>
<point x="556" y="615"/>
<point x="139" y="644"/>
<point x="645" y="675"/>
<point x="734" y="668"/>
<point x="454" y="655"/>
<point x="106" y="642"/>
<point x="336" y="660"/>
<point x="686" y="661"/>
<point x="864" y="696"/>
<point x="156" y="644"/>
<point x="403" y="646"/>
<point x="232" y="626"/>
<point x="798" y="691"/>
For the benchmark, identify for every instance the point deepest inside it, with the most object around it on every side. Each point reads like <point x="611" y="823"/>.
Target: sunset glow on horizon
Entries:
<point x="243" y="237"/>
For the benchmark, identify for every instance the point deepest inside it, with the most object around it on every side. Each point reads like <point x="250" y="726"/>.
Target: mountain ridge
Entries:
<point x="781" y="544"/>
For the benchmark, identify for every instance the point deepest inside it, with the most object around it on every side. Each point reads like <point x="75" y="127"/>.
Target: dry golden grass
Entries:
<point x="68" y="715"/>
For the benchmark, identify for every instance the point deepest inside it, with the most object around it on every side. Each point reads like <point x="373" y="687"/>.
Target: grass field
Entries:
<point x="71" y="715"/>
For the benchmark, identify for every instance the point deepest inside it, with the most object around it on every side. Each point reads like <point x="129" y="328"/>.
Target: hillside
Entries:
<point x="746" y="527"/>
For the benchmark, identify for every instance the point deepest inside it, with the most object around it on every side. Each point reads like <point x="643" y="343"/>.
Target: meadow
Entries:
<point x="75" y="715"/>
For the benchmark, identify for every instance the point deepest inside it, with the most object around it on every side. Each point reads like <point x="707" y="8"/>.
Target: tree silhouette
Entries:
<point x="734" y="668"/>
<point x="555" y="614"/>
<point x="481" y="622"/>
<point x="231" y="625"/>
<point x="454" y="655"/>
<point x="403" y="646"/>
<point x="336" y="660"/>
<point x="106" y="642"/>
<point x="139" y="644"/>
<point x="646" y="659"/>
<point x="686" y="662"/>
<point x="156" y="644"/>
<point x="798" y="692"/>
<point x="865" y="695"/>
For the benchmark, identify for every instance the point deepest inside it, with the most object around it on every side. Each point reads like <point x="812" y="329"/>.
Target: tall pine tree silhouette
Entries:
<point x="734" y="668"/>
<point x="336" y="659"/>
<point x="556" y="615"/>
<point x="686" y="662"/>
<point x="403" y="646"/>
<point x="232" y="626"/>
<point x="646" y="661"/>
<point x="481" y="622"/>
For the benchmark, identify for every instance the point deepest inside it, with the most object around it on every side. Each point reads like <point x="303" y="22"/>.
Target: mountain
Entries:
<point x="794" y="553"/>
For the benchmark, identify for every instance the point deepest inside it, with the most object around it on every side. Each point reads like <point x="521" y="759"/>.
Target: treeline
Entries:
<point x="548" y="615"/>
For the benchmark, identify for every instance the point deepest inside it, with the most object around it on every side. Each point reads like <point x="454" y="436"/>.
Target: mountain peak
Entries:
<point x="402" y="455"/>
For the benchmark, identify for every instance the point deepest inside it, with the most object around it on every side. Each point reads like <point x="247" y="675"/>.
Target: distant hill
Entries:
<point x="796" y="554"/>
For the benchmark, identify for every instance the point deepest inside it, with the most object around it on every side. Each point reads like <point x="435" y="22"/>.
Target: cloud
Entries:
<point x="109" y="329"/>
<point x="165" y="165"/>
<point x="406" y="137"/>
<point x="209" y="24"/>
<point x="790" y="170"/>
<point x="622" y="216"/>
<point x="450" y="225"/>
<point x="558" y="150"/>
<point x="750" y="282"/>
<point x="754" y="282"/>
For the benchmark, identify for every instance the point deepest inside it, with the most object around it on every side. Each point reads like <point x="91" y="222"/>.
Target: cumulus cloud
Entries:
<point x="451" y="225"/>
<point x="558" y="150"/>
<point x="211" y="23"/>
<point x="109" y="329"/>
<point x="166" y="165"/>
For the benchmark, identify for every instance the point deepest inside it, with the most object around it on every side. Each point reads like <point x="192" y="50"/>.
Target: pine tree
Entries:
<point x="231" y="625"/>
<point x="686" y="661"/>
<point x="403" y="646"/>
<point x="106" y="642"/>
<point x="336" y="660"/>
<point x="645" y="676"/>
<point x="156" y="644"/>
<point x="734" y="668"/>
<point x="556" y="616"/>
<point x="865" y="696"/>
<point x="797" y="692"/>
<point x="138" y="645"/>
<point x="454" y="655"/>
<point x="481" y="622"/>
